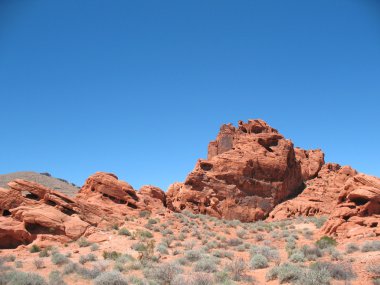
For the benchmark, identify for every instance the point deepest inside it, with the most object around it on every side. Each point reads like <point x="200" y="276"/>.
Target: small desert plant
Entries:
<point x="58" y="258"/>
<point x="351" y="247"/>
<point x="286" y="272"/>
<point x="237" y="269"/>
<point x="259" y="261"/>
<point x="55" y="278"/>
<point x="86" y="258"/>
<point x="314" y="277"/>
<point x="70" y="268"/>
<point x="270" y="253"/>
<point x="111" y="255"/>
<point x="193" y="255"/>
<point x="326" y="242"/>
<point x="205" y="265"/>
<point x="35" y="248"/>
<point x="164" y="273"/>
<point x="124" y="232"/>
<point x="162" y="248"/>
<point x="144" y="214"/>
<point x="44" y="253"/>
<point x="83" y="242"/>
<point x="94" y="247"/>
<point x="371" y="246"/>
<point x="110" y="278"/>
<point x="39" y="263"/>
<point x="297" y="256"/>
<point x="18" y="264"/>
<point x="339" y="271"/>
<point x="24" y="278"/>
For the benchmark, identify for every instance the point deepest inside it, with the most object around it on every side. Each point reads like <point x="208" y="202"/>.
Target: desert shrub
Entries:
<point x="144" y="234"/>
<point x="374" y="269"/>
<point x="371" y="246"/>
<point x="314" y="277"/>
<point x="164" y="274"/>
<point x="55" y="278"/>
<point x="70" y="268"/>
<point x="258" y="261"/>
<point x="7" y="258"/>
<point x="270" y="253"/>
<point x="124" y="232"/>
<point x="339" y="271"/>
<point x="83" y="242"/>
<point x="152" y="221"/>
<point x="86" y="258"/>
<point x="193" y="255"/>
<point x="94" y="247"/>
<point x="351" y="247"/>
<point x="205" y="265"/>
<point x="168" y="240"/>
<point x="325" y="242"/>
<point x="44" y="253"/>
<point x="189" y="244"/>
<point x="193" y="279"/>
<point x="166" y="232"/>
<point x="286" y="272"/>
<point x="234" y="242"/>
<point x="297" y="256"/>
<point x="144" y="214"/>
<point x="311" y="252"/>
<point x="162" y="248"/>
<point x="318" y="221"/>
<point x="111" y="255"/>
<point x="237" y="269"/>
<point x="335" y="254"/>
<point x="110" y="278"/>
<point x="376" y="281"/>
<point x="58" y="258"/>
<point x="35" y="248"/>
<point x="39" y="263"/>
<point x="24" y="278"/>
<point x="241" y="233"/>
<point x="259" y="237"/>
<point x="223" y="253"/>
<point x="18" y="264"/>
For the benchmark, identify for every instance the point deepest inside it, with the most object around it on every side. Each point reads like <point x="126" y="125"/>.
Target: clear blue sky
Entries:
<point x="139" y="88"/>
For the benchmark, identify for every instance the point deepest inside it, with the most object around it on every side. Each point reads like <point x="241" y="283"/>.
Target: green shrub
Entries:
<point x="165" y="273"/>
<point x="205" y="265"/>
<point x="35" y="248"/>
<point x="339" y="271"/>
<point x="58" y="258"/>
<point x="237" y="269"/>
<point x="24" y="278"/>
<point x="110" y="278"/>
<point x="144" y="214"/>
<point x="351" y="247"/>
<point x="371" y="246"/>
<point x="286" y="272"/>
<point x="326" y="242"/>
<point x="55" y="278"/>
<point x="86" y="258"/>
<point x="83" y="242"/>
<point x="193" y="255"/>
<point x="297" y="256"/>
<point x="162" y="248"/>
<point x="259" y="261"/>
<point x="113" y="255"/>
<point x="94" y="247"/>
<point x="314" y="277"/>
<point x="124" y="232"/>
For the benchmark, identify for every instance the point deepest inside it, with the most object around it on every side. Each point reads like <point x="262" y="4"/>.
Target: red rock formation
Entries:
<point x="320" y="196"/>
<point x="249" y="170"/>
<point x="32" y="211"/>
<point x="357" y="213"/>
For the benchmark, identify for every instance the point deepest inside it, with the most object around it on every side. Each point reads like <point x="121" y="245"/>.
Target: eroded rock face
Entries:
<point x="357" y="213"/>
<point x="31" y="211"/>
<point x="249" y="170"/>
<point x="320" y="196"/>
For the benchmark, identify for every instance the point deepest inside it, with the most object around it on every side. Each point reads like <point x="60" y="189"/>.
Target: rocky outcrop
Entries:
<point x="249" y="170"/>
<point x="357" y="213"/>
<point x="31" y="211"/>
<point x="320" y="196"/>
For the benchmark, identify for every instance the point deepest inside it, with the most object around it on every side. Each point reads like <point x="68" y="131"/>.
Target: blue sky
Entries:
<point x="139" y="88"/>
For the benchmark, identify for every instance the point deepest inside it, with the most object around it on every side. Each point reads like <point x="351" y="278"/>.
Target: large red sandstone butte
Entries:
<point x="249" y="170"/>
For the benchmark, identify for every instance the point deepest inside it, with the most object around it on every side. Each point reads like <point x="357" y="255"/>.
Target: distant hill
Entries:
<point x="45" y="179"/>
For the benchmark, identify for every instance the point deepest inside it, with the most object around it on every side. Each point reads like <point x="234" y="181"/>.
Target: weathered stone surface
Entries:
<point x="311" y="162"/>
<point x="13" y="233"/>
<point x="152" y="197"/>
<point x="110" y="186"/>
<point x="249" y="170"/>
<point x="320" y="196"/>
